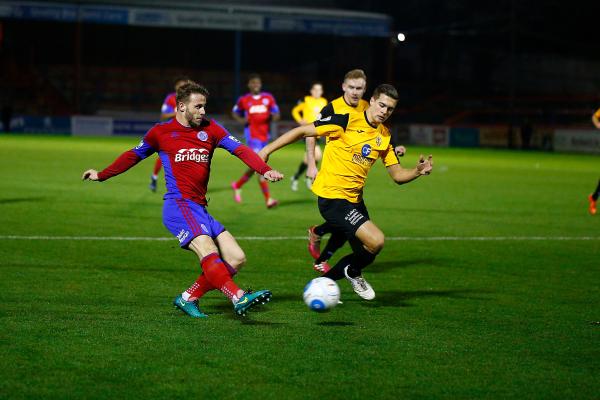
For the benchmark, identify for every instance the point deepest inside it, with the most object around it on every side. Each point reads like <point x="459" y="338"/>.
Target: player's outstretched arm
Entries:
<point x="287" y="138"/>
<point x="402" y="175"/>
<point x="120" y="165"/>
<point x="273" y="176"/>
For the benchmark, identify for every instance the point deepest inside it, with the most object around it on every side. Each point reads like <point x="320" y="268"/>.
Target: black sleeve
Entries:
<point x="327" y="110"/>
<point x="340" y="120"/>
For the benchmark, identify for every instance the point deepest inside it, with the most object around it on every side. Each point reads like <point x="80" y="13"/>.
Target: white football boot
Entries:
<point x="361" y="286"/>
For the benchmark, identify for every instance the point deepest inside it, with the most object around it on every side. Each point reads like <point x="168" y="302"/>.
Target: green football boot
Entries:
<point x="189" y="307"/>
<point x="251" y="299"/>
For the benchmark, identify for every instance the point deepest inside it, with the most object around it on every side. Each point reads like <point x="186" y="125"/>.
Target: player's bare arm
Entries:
<point x="403" y="175"/>
<point x="287" y="138"/>
<point x="311" y="162"/>
<point x="166" y="116"/>
<point x="238" y="117"/>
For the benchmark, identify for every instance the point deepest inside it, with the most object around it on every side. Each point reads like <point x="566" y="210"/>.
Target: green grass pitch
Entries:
<point x="514" y="318"/>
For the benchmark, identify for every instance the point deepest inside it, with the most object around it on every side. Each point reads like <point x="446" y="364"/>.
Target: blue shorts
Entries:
<point x="187" y="220"/>
<point x="255" y="144"/>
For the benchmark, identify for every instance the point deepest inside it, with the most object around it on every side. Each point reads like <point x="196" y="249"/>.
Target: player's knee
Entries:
<point x="237" y="261"/>
<point x="375" y="243"/>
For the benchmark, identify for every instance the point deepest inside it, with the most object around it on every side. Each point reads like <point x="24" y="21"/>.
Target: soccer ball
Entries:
<point x="321" y="294"/>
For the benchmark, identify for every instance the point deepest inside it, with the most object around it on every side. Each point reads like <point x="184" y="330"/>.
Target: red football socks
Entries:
<point x="264" y="186"/>
<point x="219" y="276"/>
<point x="198" y="289"/>
<point x="240" y="182"/>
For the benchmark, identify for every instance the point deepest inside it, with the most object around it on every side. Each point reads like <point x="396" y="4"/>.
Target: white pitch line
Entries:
<point x="270" y="238"/>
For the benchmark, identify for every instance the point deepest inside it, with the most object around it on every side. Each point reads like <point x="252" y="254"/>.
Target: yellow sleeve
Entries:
<point x="389" y="156"/>
<point x="332" y="126"/>
<point x="296" y="111"/>
<point x="597" y="113"/>
<point x="330" y="130"/>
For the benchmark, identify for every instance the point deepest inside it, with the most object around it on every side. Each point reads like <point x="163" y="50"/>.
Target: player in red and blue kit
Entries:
<point x="255" y="110"/>
<point x="167" y="111"/>
<point x="185" y="145"/>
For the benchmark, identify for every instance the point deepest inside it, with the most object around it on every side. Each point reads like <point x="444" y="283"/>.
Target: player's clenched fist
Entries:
<point x="90" y="174"/>
<point x="273" y="175"/>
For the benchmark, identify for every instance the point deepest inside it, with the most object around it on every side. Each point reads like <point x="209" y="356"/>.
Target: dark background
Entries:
<point x="464" y="62"/>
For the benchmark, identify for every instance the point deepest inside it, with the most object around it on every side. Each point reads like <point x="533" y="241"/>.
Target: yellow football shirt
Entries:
<point x="354" y="146"/>
<point x="308" y="109"/>
<point x="339" y="106"/>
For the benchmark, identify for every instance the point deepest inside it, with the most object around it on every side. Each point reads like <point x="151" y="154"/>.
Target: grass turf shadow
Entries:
<point x="403" y="298"/>
<point x="378" y="267"/>
<point x="23" y="200"/>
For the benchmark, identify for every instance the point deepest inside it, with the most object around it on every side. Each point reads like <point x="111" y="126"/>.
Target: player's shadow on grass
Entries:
<point x="225" y="310"/>
<point x="335" y="323"/>
<point x="384" y="266"/>
<point x="22" y="200"/>
<point x="392" y="298"/>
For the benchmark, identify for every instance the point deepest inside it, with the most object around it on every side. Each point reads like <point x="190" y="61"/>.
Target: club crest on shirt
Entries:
<point x="265" y="101"/>
<point x="378" y="141"/>
<point x="202" y="136"/>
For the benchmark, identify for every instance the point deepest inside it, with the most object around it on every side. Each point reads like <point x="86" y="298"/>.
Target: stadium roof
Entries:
<point x="227" y="16"/>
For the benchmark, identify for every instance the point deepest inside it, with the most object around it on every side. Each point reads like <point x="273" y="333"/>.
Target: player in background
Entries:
<point x="307" y="111"/>
<point x="167" y="111"/>
<point x="593" y="198"/>
<point x="186" y="144"/>
<point x="357" y="141"/>
<point x="255" y="110"/>
<point x="353" y="87"/>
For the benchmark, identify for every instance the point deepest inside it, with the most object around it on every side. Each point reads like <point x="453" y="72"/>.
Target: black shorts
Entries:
<point x="343" y="215"/>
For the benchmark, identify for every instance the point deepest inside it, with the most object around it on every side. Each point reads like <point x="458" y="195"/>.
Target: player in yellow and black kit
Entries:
<point x="356" y="141"/>
<point x="353" y="86"/>
<point x="593" y="198"/>
<point x="307" y="111"/>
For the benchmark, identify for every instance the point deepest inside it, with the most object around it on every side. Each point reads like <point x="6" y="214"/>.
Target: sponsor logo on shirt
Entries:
<point x="258" y="109"/>
<point x="358" y="159"/>
<point x="197" y="155"/>
<point x="366" y="150"/>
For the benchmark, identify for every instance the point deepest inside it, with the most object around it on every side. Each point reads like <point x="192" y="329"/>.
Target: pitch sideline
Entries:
<point x="274" y="238"/>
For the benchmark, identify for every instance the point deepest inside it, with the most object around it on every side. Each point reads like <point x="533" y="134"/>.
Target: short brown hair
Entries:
<point x="254" y="76"/>
<point x="181" y="78"/>
<point x="356" y="74"/>
<point x="386" y="89"/>
<point x="185" y="91"/>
